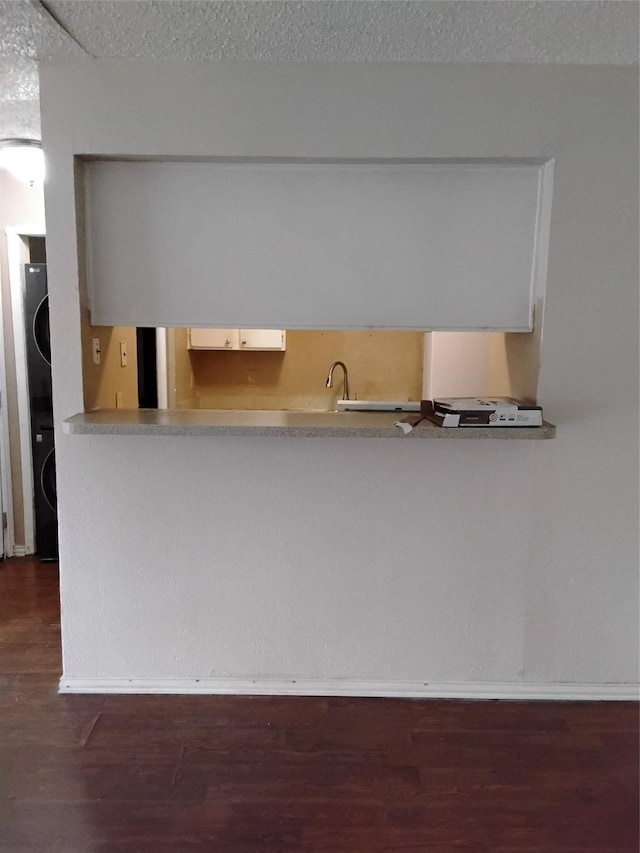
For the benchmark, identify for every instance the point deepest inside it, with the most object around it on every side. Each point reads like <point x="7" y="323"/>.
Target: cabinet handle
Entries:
<point x="244" y="343"/>
<point x="227" y="343"/>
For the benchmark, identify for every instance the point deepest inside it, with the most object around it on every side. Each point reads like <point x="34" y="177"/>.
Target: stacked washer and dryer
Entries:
<point x="38" y="343"/>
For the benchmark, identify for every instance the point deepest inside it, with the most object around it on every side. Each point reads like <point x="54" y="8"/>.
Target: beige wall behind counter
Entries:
<point x="102" y="382"/>
<point x="382" y="365"/>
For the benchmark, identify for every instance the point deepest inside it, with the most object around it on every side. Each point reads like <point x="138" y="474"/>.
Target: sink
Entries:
<point x="377" y="406"/>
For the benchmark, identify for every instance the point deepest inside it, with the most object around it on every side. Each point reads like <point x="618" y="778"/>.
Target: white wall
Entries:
<point x="382" y="561"/>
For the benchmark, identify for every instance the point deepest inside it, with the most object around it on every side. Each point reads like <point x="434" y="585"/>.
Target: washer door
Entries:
<point x="41" y="329"/>
<point x="48" y="479"/>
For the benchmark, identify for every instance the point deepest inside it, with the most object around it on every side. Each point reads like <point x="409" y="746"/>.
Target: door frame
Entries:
<point x="162" y="373"/>
<point x="6" y="486"/>
<point x="18" y="255"/>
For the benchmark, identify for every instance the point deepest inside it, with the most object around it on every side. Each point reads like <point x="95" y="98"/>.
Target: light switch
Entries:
<point x="96" y="350"/>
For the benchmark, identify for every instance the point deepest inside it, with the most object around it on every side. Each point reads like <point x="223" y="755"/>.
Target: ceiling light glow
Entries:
<point x="24" y="159"/>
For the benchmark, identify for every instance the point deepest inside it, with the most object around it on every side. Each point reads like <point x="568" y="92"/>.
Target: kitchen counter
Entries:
<point x="211" y="422"/>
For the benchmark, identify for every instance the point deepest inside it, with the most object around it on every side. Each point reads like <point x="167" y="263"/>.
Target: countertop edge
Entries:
<point x="134" y="422"/>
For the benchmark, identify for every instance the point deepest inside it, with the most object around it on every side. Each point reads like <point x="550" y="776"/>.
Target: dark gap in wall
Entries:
<point x="37" y="250"/>
<point x="147" y="368"/>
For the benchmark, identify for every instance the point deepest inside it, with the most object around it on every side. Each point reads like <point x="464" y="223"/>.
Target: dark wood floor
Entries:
<point x="172" y="773"/>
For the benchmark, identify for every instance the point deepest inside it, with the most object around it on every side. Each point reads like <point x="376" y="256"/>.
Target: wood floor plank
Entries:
<point x="255" y="774"/>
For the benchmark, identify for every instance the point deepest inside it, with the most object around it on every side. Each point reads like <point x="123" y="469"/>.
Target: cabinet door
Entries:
<point x="214" y="339"/>
<point x="262" y="339"/>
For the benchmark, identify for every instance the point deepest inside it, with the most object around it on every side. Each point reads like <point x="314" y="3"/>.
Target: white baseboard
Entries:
<point x="400" y="689"/>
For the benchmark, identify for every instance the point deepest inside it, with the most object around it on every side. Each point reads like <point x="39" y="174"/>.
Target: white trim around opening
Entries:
<point x="18" y="254"/>
<point x="6" y="484"/>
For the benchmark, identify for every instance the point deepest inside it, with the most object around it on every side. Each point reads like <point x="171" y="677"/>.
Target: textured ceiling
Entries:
<point x="26" y="30"/>
<point x="567" y="31"/>
<point x="552" y="31"/>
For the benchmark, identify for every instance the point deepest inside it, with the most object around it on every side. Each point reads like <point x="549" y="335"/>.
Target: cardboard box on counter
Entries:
<point x="482" y="411"/>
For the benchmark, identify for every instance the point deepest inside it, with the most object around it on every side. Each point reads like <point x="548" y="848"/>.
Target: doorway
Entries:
<point x="147" y="368"/>
<point x="36" y="481"/>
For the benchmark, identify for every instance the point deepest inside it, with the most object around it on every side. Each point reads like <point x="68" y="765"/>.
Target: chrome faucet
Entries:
<point x="345" y="393"/>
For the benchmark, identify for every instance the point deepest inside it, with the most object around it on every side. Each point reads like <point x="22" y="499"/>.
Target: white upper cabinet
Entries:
<point x="287" y="245"/>
<point x="214" y="338"/>
<point x="263" y="339"/>
<point x="238" y="339"/>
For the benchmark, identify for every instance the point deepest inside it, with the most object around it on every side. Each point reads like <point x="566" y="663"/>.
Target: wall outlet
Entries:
<point x="123" y="353"/>
<point x="118" y="399"/>
<point x="96" y="350"/>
